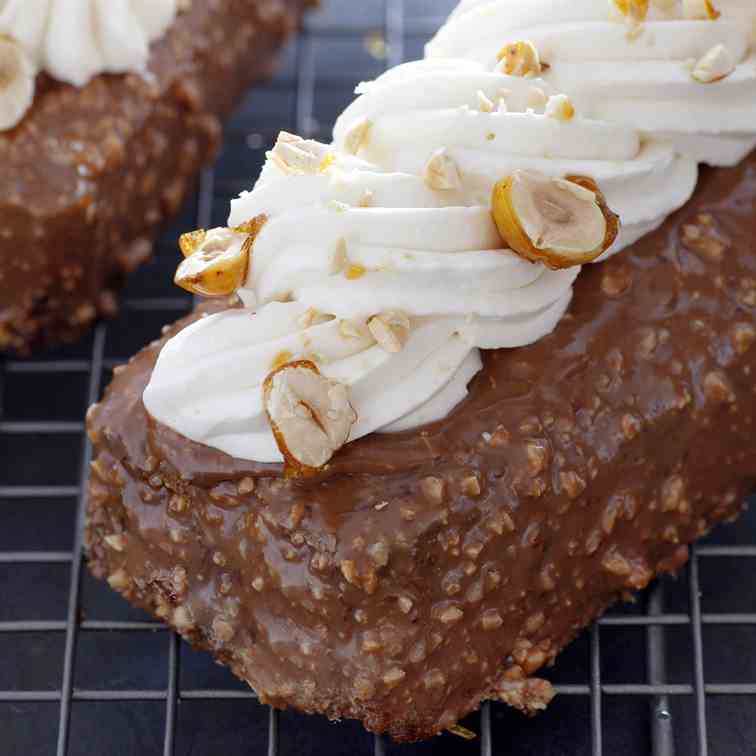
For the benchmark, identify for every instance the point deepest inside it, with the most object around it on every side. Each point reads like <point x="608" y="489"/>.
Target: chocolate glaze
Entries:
<point x="425" y="572"/>
<point x="90" y="174"/>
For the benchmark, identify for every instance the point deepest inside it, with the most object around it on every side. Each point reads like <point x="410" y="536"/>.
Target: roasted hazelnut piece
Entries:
<point x="190" y="242"/>
<point x="390" y="330"/>
<point x="17" y="83"/>
<point x="557" y="222"/>
<point x="635" y="10"/>
<point x="462" y="732"/>
<point x="442" y="172"/>
<point x="217" y="261"/>
<point x="702" y="10"/>
<point x="310" y="415"/>
<point x="716" y="65"/>
<point x="295" y="156"/>
<point x="520" y="59"/>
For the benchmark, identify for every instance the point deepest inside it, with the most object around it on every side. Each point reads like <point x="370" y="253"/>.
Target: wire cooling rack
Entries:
<point x="81" y="673"/>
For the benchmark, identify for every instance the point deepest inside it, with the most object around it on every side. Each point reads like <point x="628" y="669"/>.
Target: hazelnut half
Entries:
<point x="310" y="415"/>
<point x="557" y="222"/>
<point x="17" y="83"/>
<point x="217" y="261"/>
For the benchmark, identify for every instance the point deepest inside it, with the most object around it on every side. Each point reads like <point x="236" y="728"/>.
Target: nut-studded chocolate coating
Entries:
<point x="422" y="573"/>
<point x="90" y="174"/>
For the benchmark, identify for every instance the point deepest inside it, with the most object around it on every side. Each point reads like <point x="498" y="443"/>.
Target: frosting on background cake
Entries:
<point x="74" y="41"/>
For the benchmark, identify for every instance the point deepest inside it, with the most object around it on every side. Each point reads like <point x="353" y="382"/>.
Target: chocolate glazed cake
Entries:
<point x="89" y="174"/>
<point x="419" y="574"/>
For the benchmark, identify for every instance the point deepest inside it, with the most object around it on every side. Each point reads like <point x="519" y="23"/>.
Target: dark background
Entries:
<point x="81" y="673"/>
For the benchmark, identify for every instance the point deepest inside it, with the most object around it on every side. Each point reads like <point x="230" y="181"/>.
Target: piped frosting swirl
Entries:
<point x="618" y="69"/>
<point x="418" y="108"/>
<point x="340" y="247"/>
<point x="393" y="224"/>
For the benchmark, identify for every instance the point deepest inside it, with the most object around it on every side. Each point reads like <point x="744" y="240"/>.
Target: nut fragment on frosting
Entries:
<point x="716" y="65"/>
<point x="520" y="59"/>
<point x="356" y="136"/>
<point x="191" y="241"/>
<point x="703" y="10"/>
<point x="558" y="222"/>
<point x="390" y="330"/>
<point x="441" y="172"/>
<point x="633" y="10"/>
<point x="295" y="156"/>
<point x="560" y="107"/>
<point x="17" y="83"/>
<point x="310" y="415"/>
<point x="217" y="261"/>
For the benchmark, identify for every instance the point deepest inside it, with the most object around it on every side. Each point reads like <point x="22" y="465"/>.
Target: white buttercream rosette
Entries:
<point x="73" y="41"/>
<point x="340" y="247"/>
<point x="635" y="74"/>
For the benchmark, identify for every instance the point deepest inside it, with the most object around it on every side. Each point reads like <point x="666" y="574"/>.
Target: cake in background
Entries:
<point x="107" y="112"/>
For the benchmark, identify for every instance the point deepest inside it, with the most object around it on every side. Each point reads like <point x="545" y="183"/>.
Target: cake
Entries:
<point x="469" y="375"/>
<point x="105" y="121"/>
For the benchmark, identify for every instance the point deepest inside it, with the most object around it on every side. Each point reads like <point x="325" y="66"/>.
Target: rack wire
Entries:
<point x="677" y="652"/>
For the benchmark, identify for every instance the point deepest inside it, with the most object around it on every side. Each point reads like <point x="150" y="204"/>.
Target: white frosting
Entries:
<point x="75" y="40"/>
<point x="418" y="108"/>
<point x="435" y="254"/>
<point x="423" y="253"/>
<point x="642" y="79"/>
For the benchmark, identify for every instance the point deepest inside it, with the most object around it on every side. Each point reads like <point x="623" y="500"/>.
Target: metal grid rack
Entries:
<point x="80" y="673"/>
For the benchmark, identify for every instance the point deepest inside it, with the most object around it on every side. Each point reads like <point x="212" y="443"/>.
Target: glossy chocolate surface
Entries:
<point x="422" y="573"/>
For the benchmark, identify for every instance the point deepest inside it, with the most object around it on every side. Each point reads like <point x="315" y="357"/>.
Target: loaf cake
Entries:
<point x="101" y="137"/>
<point x="411" y="448"/>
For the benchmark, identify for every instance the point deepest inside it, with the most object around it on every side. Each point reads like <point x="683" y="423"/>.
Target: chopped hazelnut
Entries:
<point x="520" y="59"/>
<point x="491" y="620"/>
<point x="295" y="156"/>
<point x="702" y="10"/>
<point x="219" y="265"/>
<point x="394" y="676"/>
<point x="119" y="580"/>
<point x="485" y="104"/>
<point x="441" y="172"/>
<point x="743" y="337"/>
<point x="450" y="614"/>
<point x="716" y="65"/>
<point x="470" y="486"/>
<point x="116" y="542"/>
<point x="17" y="82"/>
<point x="246" y="486"/>
<point x="356" y="136"/>
<point x="717" y="388"/>
<point x="560" y="107"/>
<point x="433" y="490"/>
<point x="390" y="330"/>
